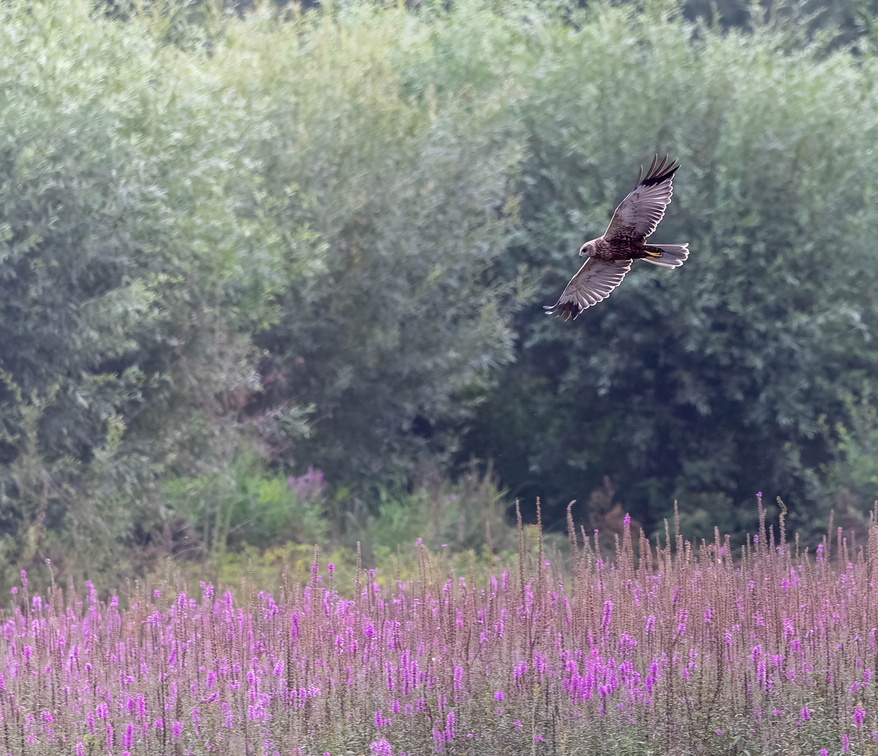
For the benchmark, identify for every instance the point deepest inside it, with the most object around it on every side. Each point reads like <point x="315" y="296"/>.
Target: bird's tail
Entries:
<point x="672" y="255"/>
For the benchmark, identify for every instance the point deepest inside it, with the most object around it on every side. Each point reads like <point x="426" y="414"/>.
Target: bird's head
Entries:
<point x="586" y="249"/>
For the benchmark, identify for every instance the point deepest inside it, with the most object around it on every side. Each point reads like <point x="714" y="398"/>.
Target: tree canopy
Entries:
<point x="322" y="240"/>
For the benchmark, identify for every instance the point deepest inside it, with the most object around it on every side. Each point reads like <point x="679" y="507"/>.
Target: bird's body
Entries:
<point x="609" y="256"/>
<point x="618" y="249"/>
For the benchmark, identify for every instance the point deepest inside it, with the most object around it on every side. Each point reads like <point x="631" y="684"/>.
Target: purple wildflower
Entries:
<point x="381" y="748"/>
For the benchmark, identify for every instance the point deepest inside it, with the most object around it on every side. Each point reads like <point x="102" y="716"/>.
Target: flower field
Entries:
<point x="662" y="648"/>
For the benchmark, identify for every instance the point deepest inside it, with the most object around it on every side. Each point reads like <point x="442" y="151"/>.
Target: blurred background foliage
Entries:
<point x="243" y="247"/>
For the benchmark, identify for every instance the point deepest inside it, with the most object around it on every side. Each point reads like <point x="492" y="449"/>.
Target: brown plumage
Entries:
<point x="609" y="256"/>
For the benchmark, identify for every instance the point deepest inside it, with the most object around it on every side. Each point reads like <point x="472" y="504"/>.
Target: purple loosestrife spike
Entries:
<point x="540" y="664"/>
<point x="128" y="737"/>
<point x="458" y="677"/>
<point x="608" y="611"/>
<point x="449" y="725"/>
<point x="381" y="748"/>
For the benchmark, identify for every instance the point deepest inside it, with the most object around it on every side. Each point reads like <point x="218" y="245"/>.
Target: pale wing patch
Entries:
<point x="592" y="283"/>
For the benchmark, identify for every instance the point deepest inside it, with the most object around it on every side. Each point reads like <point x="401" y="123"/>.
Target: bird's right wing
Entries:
<point x="592" y="283"/>
<point x="640" y="212"/>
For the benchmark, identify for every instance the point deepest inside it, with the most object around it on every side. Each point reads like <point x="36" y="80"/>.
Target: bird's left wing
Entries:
<point x="640" y="212"/>
<point x="592" y="283"/>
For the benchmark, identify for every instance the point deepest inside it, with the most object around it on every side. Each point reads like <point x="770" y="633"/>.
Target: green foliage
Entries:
<point x="238" y="526"/>
<point x="469" y="515"/>
<point x="840" y="23"/>
<point x="302" y="238"/>
<point x="853" y="471"/>
<point x="394" y="339"/>
<point x="711" y="378"/>
<point x="169" y="207"/>
<point x="125" y="301"/>
<point x="223" y="510"/>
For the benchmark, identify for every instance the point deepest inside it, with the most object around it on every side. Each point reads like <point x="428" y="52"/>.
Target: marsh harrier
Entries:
<point x="609" y="256"/>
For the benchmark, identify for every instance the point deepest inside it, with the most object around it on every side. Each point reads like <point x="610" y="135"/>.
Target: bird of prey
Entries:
<point x="608" y="258"/>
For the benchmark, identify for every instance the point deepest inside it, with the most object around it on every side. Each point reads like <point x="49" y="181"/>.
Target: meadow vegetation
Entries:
<point x="668" y="647"/>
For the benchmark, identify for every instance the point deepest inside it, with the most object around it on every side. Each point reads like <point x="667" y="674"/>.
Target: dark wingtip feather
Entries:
<point x="659" y="171"/>
<point x="565" y="309"/>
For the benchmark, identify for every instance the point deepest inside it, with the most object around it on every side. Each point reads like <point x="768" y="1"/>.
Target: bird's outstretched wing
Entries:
<point x="640" y="212"/>
<point x="592" y="283"/>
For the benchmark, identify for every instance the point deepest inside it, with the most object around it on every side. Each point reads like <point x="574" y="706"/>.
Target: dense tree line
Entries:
<point x="284" y="240"/>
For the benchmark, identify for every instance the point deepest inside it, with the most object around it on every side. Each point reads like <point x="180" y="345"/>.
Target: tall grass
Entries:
<point x="661" y="648"/>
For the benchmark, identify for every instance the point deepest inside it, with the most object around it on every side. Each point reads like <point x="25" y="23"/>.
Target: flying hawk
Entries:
<point x="609" y="256"/>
